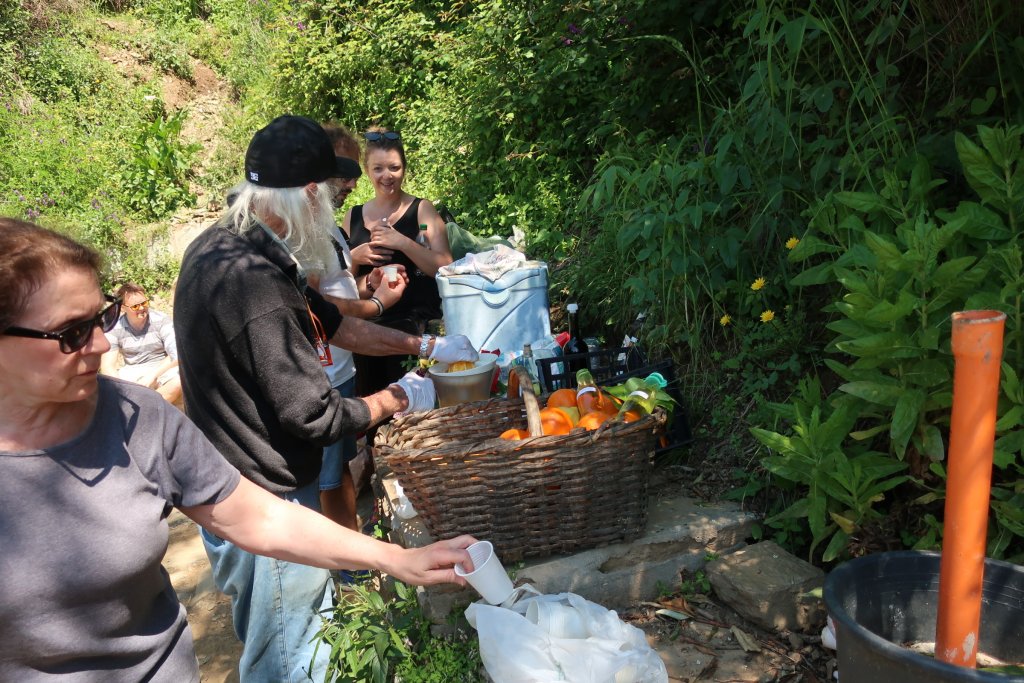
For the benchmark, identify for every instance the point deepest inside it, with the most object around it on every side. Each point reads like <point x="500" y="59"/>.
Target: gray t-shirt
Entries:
<point x="155" y="341"/>
<point x="83" y="529"/>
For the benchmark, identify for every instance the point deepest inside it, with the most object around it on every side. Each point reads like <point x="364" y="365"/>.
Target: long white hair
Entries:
<point x="307" y="220"/>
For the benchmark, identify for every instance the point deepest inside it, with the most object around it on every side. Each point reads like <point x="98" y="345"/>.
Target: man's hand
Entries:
<point x="454" y="348"/>
<point x="419" y="391"/>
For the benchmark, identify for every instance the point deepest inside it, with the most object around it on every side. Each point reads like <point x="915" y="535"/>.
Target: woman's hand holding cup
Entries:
<point x="387" y="291"/>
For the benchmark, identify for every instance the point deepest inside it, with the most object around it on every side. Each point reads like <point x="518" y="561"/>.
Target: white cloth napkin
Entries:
<point x="491" y="264"/>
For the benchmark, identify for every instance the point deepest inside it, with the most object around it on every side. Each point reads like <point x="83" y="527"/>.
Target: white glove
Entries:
<point x="419" y="391"/>
<point x="452" y="349"/>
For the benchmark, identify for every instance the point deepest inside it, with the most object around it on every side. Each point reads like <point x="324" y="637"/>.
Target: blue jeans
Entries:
<point x="275" y="606"/>
<point x="342" y="451"/>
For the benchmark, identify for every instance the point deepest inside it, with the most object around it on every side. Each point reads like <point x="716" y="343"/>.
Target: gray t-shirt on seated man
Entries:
<point x="154" y="342"/>
<point x="83" y="530"/>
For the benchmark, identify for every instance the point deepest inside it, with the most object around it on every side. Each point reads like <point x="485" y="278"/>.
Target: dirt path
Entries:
<point x="209" y="611"/>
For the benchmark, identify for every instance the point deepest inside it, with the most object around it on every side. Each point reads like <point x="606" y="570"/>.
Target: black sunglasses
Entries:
<point x="75" y="336"/>
<point x="376" y="136"/>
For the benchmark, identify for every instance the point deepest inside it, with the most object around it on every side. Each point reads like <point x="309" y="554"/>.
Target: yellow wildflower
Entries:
<point x="767" y="316"/>
<point x="792" y="242"/>
<point x="725" y="320"/>
<point x="758" y="284"/>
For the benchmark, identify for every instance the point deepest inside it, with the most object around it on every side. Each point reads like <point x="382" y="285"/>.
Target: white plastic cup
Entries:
<point x="391" y="273"/>
<point x="489" y="577"/>
<point x="557" y="619"/>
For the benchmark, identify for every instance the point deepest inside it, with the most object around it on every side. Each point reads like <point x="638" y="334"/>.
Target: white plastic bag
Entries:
<point x="533" y="638"/>
<point x="403" y="508"/>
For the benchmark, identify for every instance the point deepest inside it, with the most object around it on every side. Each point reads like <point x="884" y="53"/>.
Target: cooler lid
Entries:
<point x="528" y="269"/>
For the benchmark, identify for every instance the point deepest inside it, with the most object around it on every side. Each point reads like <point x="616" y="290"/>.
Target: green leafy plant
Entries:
<point x="443" y="660"/>
<point x="156" y="179"/>
<point x="696" y="583"/>
<point x="378" y="639"/>
<point x="905" y="264"/>
<point x="368" y="635"/>
<point x="843" y="487"/>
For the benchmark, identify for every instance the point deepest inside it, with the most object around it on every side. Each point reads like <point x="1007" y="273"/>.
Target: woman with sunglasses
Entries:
<point x="91" y="468"/>
<point x="395" y="228"/>
<point x="144" y="339"/>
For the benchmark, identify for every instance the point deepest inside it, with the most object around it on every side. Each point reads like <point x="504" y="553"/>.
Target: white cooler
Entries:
<point x="504" y="314"/>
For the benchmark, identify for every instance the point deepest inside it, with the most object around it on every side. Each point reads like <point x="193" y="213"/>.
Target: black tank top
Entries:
<point x="420" y="301"/>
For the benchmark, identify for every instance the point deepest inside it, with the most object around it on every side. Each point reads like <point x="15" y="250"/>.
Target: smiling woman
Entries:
<point x="395" y="228"/>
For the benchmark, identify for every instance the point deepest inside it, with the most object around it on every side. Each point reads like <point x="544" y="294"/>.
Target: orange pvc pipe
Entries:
<point x="977" y="351"/>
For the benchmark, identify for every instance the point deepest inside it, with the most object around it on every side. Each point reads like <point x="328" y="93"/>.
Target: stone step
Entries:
<point x="681" y="534"/>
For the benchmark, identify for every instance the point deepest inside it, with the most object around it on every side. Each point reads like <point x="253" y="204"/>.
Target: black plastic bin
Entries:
<point x="881" y="602"/>
<point x="614" y="366"/>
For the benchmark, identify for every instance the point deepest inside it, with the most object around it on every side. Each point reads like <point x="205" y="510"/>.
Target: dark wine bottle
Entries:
<point x="575" y="344"/>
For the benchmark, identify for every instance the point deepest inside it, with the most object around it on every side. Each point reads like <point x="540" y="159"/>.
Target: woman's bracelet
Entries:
<point x="380" y="306"/>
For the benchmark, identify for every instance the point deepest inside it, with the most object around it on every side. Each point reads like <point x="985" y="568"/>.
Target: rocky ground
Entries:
<point x="697" y="635"/>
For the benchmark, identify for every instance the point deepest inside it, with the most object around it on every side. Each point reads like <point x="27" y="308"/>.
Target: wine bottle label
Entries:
<point x="585" y="390"/>
<point x="642" y="394"/>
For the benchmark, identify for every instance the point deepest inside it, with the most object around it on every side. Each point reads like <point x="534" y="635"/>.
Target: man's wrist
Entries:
<point x="426" y="345"/>
<point x="399" y="394"/>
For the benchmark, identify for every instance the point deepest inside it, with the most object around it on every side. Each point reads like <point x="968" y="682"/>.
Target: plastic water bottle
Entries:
<point x="547" y="347"/>
<point x="421" y="239"/>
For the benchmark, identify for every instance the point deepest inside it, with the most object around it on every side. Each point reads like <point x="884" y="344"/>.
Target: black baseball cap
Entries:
<point x="293" y="151"/>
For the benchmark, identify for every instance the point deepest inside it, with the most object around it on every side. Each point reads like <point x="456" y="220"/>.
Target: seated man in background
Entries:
<point x="145" y="340"/>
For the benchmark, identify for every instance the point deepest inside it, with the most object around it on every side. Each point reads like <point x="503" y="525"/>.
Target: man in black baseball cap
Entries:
<point x="290" y="152"/>
<point x="252" y="344"/>
<point x="293" y="151"/>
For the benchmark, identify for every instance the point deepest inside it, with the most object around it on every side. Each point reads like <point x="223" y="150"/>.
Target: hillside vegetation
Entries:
<point x="797" y="194"/>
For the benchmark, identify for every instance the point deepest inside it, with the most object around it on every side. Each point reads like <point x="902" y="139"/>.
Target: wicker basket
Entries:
<point x="537" y="497"/>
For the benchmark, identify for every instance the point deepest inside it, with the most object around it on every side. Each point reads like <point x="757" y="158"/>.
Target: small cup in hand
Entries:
<point x="489" y="577"/>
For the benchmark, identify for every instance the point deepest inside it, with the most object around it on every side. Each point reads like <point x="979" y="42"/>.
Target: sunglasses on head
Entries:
<point x="139" y="306"/>
<point x="76" y="335"/>
<point x="376" y="136"/>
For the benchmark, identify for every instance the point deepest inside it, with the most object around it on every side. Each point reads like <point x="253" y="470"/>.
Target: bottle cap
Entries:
<point x="423" y="226"/>
<point x="658" y="379"/>
<point x="572" y="308"/>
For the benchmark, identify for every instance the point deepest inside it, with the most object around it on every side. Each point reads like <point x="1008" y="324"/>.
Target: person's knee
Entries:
<point x="171" y="391"/>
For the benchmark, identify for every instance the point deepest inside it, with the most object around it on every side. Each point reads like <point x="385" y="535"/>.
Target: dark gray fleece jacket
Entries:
<point x="252" y="380"/>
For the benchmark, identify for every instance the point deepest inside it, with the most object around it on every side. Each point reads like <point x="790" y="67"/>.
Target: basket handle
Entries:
<point x="530" y="400"/>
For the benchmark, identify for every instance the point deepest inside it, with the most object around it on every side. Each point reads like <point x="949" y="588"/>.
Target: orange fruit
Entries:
<point x="460" y="365"/>
<point x="562" y="398"/>
<point x="594" y="420"/>
<point x="514" y="434"/>
<point x="554" y="421"/>
<point x="573" y="413"/>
